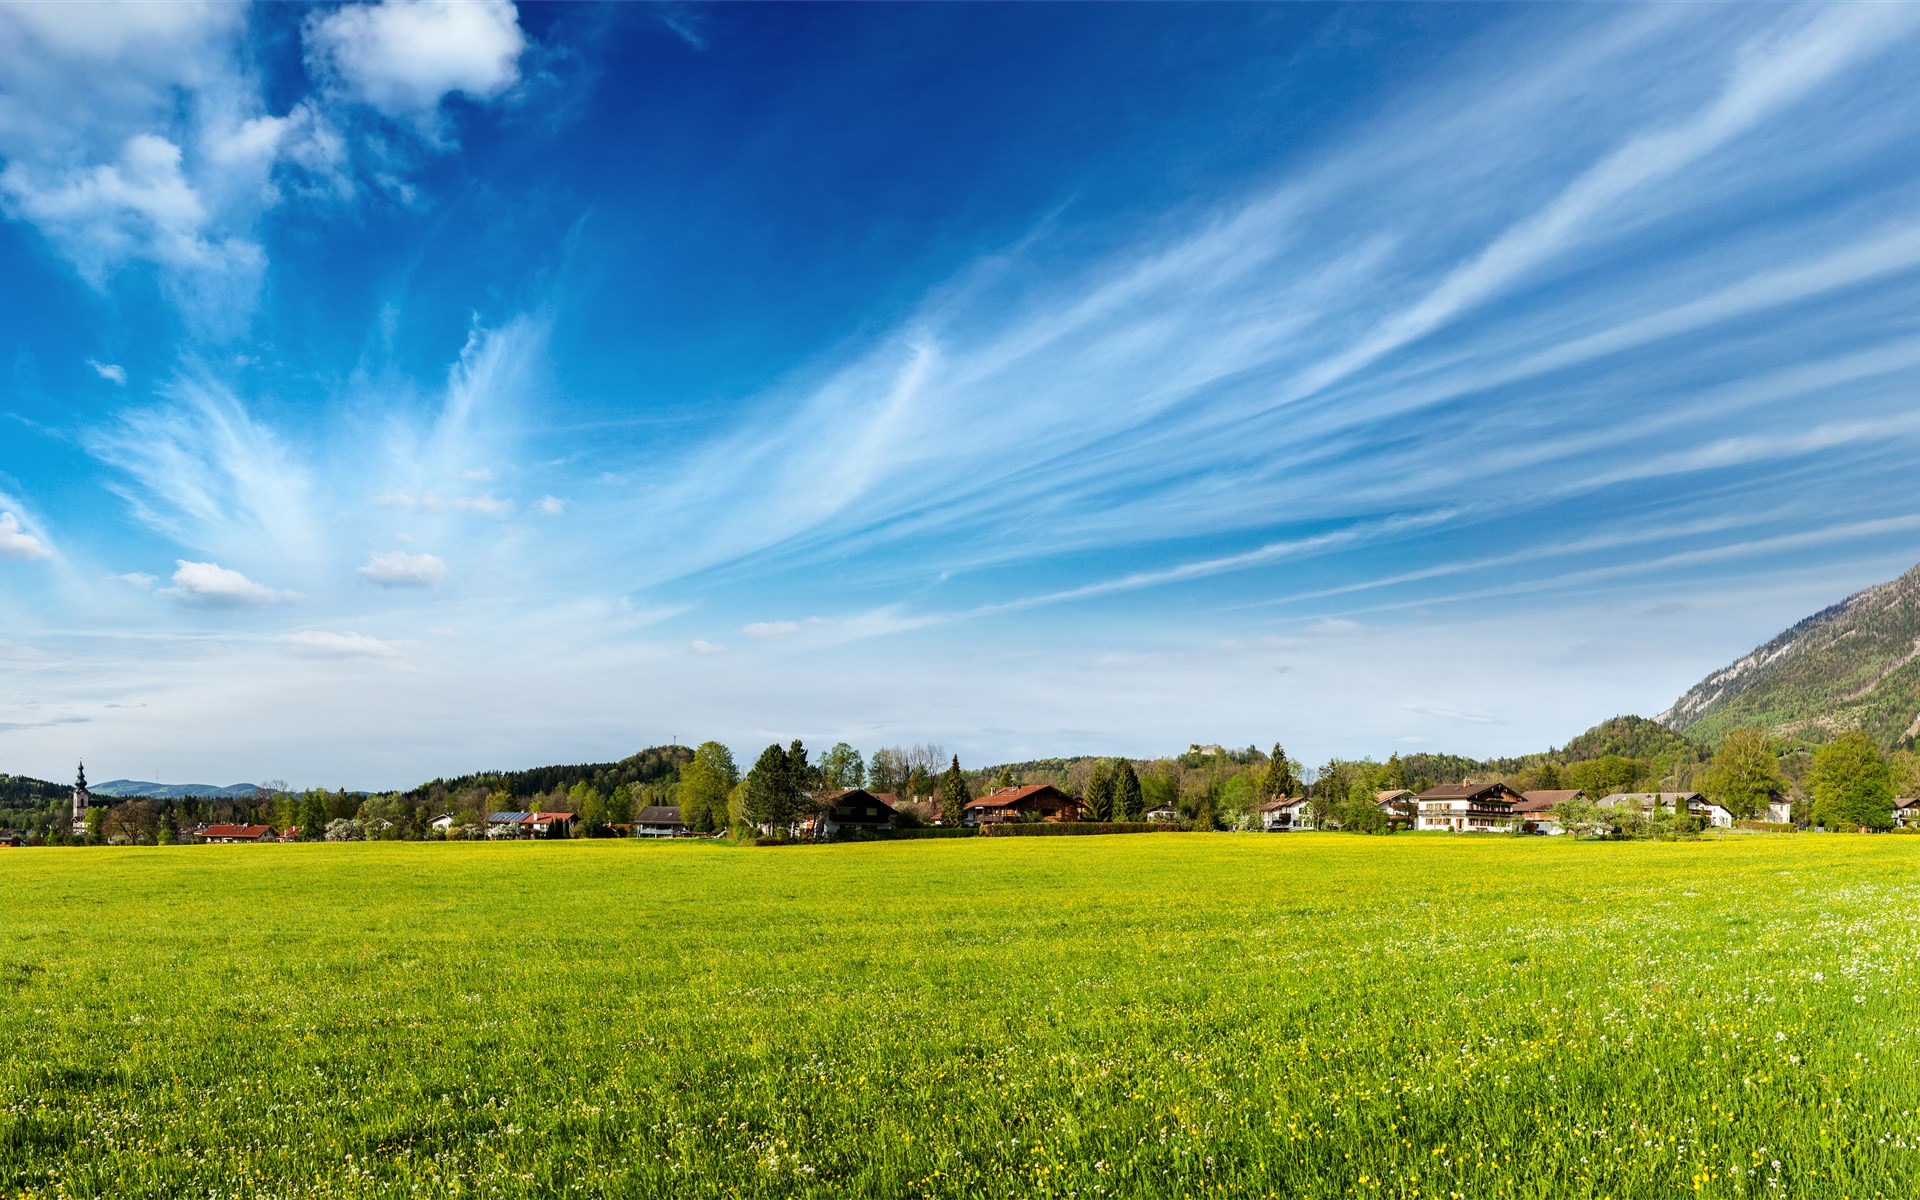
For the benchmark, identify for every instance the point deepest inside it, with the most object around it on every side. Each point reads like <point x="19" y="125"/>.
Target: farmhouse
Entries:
<point x="442" y="823"/>
<point x="12" y="839"/>
<point x="290" y="834"/>
<point x="1468" y="808"/>
<point x="1283" y="813"/>
<point x="1906" y="811"/>
<point x="1039" y="802"/>
<point x="1400" y="805"/>
<point x="1163" y="813"/>
<point x="228" y="834"/>
<point x="658" y="820"/>
<point x="847" y="809"/>
<point x="1534" y="810"/>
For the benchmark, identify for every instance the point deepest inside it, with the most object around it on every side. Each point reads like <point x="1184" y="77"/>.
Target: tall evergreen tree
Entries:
<point x="953" y="795"/>
<point x="1280" y="780"/>
<point x="1099" y="798"/>
<point x="770" y="798"/>
<point x="1129" y="802"/>
<point x="1004" y="779"/>
<point x="313" y="816"/>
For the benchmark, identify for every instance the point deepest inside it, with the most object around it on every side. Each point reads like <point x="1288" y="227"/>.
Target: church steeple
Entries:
<point x="81" y="797"/>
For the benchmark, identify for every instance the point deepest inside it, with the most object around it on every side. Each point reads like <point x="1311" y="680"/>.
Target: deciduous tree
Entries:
<point x="705" y="784"/>
<point x="1851" y="784"/>
<point x="842" y="768"/>
<point x="1745" y="773"/>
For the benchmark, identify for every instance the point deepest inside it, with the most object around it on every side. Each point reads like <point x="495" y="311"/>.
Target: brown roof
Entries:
<point x="657" y="814"/>
<point x="1279" y="803"/>
<point x="1470" y="791"/>
<point x="1906" y="801"/>
<point x="890" y="799"/>
<point x="235" y="831"/>
<point x="1542" y="801"/>
<point x="547" y="818"/>
<point x="1010" y="796"/>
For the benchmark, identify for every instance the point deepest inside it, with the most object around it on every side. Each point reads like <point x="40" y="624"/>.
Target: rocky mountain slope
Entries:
<point x="1855" y="665"/>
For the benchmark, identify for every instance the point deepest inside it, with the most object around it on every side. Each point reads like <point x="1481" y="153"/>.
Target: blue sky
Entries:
<point x="402" y="389"/>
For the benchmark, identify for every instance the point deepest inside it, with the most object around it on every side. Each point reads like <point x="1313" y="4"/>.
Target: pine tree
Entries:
<point x="1004" y="779"/>
<point x="1280" y="781"/>
<point x="313" y="816"/>
<point x="953" y="795"/>
<point x="770" y="797"/>
<point x="1129" y="802"/>
<point x="1099" y="799"/>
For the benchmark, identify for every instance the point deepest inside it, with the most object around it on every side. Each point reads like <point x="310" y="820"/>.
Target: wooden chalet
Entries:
<point x="1037" y="802"/>
<point x="847" y="810"/>
<point x="1534" y="810"/>
<point x="1468" y="808"/>
<point x="658" y="820"/>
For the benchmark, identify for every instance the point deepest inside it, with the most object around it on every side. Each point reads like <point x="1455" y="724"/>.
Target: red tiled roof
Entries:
<point x="235" y="831"/>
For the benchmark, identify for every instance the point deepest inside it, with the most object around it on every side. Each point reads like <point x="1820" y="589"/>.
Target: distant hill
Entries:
<point x="1632" y="737"/>
<point x="654" y="766"/>
<point x="20" y="791"/>
<point x="1855" y="665"/>
<point x="121" y="789"/>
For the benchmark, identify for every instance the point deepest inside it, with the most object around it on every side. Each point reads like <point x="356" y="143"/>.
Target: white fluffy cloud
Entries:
<point x="402" y="57"/>
<point x="320" y="643"/>
<point x="111" y="372"/>
<point x="212" y="584"/>
<point x="16" y="542"/>
<point x="397" y="568"/>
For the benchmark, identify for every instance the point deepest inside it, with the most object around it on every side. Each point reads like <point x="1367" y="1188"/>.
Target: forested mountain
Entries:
<point x="656" y="765"/>
<point x="1853" y="666"/>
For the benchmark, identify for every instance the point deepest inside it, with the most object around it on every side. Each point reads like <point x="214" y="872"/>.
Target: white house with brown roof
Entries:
<point x="1400" y="805"/>
<point x="1468" y="808"/>
<point x="1285" y="813"/>
<point x="1906" y="811"/>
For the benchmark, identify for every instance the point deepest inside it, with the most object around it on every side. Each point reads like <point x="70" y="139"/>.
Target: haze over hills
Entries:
<point x="121" y="788"/>
<point x="1855" y="665"/>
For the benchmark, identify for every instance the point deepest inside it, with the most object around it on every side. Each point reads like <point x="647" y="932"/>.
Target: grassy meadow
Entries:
<point x="1230" y="1015"/>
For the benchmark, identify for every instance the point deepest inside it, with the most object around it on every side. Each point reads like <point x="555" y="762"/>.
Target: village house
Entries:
<point x="290" y="834"/>
<point x="1779" y="810"/>
<point x="847" y="810"/>
<point x="1038" y="802"/>
<point x="1652" y="803"/>
<point x="1163" y="813"/>
<point x="658" y="820"/>
<point x="12" y="839"/>
<point x="505" y="826"/>
<point x="442" y="823"/>
<point x="1906" y="811"/>
<point x="1534" y="810"/>
<point x="1284" y="813"/>
<point x="1400" y="805"/>
<point x="230" y="834"/>
<point x="1468" y="808"/>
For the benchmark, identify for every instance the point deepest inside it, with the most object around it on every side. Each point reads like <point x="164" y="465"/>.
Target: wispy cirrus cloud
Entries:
<point x="398" y="569"/>
<point x="17" y="543"/>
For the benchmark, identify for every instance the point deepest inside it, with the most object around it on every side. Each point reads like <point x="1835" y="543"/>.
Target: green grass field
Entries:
<point x="1234" y="1015"/>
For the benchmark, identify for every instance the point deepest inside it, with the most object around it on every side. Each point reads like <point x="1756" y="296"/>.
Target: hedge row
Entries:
<point x="930" y="831"/>
<point x="1072" y="828"/>
<point x="1764" y="826"/>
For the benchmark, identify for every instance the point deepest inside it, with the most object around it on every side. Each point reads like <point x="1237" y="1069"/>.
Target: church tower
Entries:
<point x="81" y="797"/>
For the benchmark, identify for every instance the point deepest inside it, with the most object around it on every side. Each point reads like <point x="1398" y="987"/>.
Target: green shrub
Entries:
<point x="1073" y="828"/>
